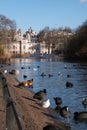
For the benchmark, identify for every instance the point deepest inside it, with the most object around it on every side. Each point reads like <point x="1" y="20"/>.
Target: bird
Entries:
<point x="58" y="100"/>
<point x="46" y="103"/>
<point x="24" y="76"/>
<point x="84" y="102"/>
<point x="65" y="112"/>
<point x="69" y="75"/>
<point x="15" y="72"/>
<point x="40" y="95"/>
<point x="51" y="127"/>
<point x="43" y="74"/>
<point x="80" y="116"/>
<point x="59" y="74"/>
<point x="69" y="84"/>
<point x="5" y="71"/>
<point x="50" y="75"/>
<point x="27" y="83"/>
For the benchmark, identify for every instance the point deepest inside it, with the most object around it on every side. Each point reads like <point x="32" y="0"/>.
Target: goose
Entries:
<point x="51" y="127"/>
<point x="80" y="116"/>
<point x="84" y="102"/>
<point x="64" y="112"/>
<point x="46" y="103"/>
<point x="58" y="100"/>
<point x="40" y="95"/>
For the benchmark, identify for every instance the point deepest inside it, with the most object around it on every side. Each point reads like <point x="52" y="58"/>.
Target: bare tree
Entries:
<point x="7" y="29"/>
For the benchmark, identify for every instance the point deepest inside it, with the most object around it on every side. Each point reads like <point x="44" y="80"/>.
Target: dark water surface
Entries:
<point x="56" y="85"/>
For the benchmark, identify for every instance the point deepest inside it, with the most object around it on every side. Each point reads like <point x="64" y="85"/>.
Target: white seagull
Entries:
<point x="46" y="103"/>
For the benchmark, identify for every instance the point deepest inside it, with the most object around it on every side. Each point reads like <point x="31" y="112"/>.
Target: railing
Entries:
<point x="13" y="121"/>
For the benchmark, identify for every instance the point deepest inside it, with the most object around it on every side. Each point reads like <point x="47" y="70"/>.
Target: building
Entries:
<point x="23" y="44"/>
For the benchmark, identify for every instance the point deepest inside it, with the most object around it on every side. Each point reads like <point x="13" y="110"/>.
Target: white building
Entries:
<point x="23" y="44"/>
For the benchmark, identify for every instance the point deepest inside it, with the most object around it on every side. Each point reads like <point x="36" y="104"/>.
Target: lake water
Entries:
<point x="56" y="85"/>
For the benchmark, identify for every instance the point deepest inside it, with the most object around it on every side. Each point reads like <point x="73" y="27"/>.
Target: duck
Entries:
<point x="43" y="74"/>
<point x="65" y="112"/>
<point x="27" y="83"/>
<point x="69" y="84"/>
<point x="50" y="75"/>
<point x="69" y="75"/>
<point x="46" y="103"/>
<point x="51" y="127"/>
<point x="84" y="102"/>
<point x="59" y="74"/>
<point x="80" y="116"/>
<point x="24" y="76"/>
<point x="40" y="95"/>
<point x="58" y="100"/>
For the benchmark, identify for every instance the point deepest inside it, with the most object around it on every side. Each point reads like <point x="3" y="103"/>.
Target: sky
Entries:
<point x="39" y="14"/>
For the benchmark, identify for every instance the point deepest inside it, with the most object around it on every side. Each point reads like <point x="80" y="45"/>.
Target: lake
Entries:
<point x="56" y="85"/>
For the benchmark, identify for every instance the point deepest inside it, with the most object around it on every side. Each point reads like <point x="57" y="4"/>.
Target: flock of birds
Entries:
<point x="45" y="103"/>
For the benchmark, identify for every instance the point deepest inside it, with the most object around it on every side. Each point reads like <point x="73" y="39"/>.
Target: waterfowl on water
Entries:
<point x="50" y="75"/>
<point x="46" y="103"/>
<point x="65" y="112"/>
<point x="84" y="102"/>
<point x="59" y="74"/>
<point x="69" y="84"/>
<point x="24" y="76"/>
<point x="58" y="100"/>
<point x="43" y="74"/>
<point x="51" y="127"/>
<point x="40" y="95"/>
<point x="80" y="116"/>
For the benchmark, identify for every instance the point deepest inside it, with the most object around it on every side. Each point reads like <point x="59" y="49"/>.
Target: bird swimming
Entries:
<point x="80" y="116"/>
<point x="58" y="100"/>
<point x="65" y="112"/>
<point x="84" y="102"/>
<point x="69" y="84"/>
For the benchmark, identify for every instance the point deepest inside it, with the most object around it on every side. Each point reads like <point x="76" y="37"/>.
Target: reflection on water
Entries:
<point x="56" y="85"/>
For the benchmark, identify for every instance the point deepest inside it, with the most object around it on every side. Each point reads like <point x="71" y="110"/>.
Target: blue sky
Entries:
<point x="41" y="13"/>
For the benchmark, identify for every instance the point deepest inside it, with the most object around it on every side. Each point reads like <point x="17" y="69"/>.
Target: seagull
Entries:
<point x="46" y="103"/>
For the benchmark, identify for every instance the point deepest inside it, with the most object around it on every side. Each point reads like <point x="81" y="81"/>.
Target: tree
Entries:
<point x="7" y="30"/>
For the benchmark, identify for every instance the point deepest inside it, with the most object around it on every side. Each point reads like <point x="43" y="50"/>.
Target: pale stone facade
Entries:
<point x="23" y="44"/>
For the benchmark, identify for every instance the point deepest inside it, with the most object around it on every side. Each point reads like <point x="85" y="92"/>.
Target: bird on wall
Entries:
<point x="46" y="103"/>
<point x="40" y="95"/>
